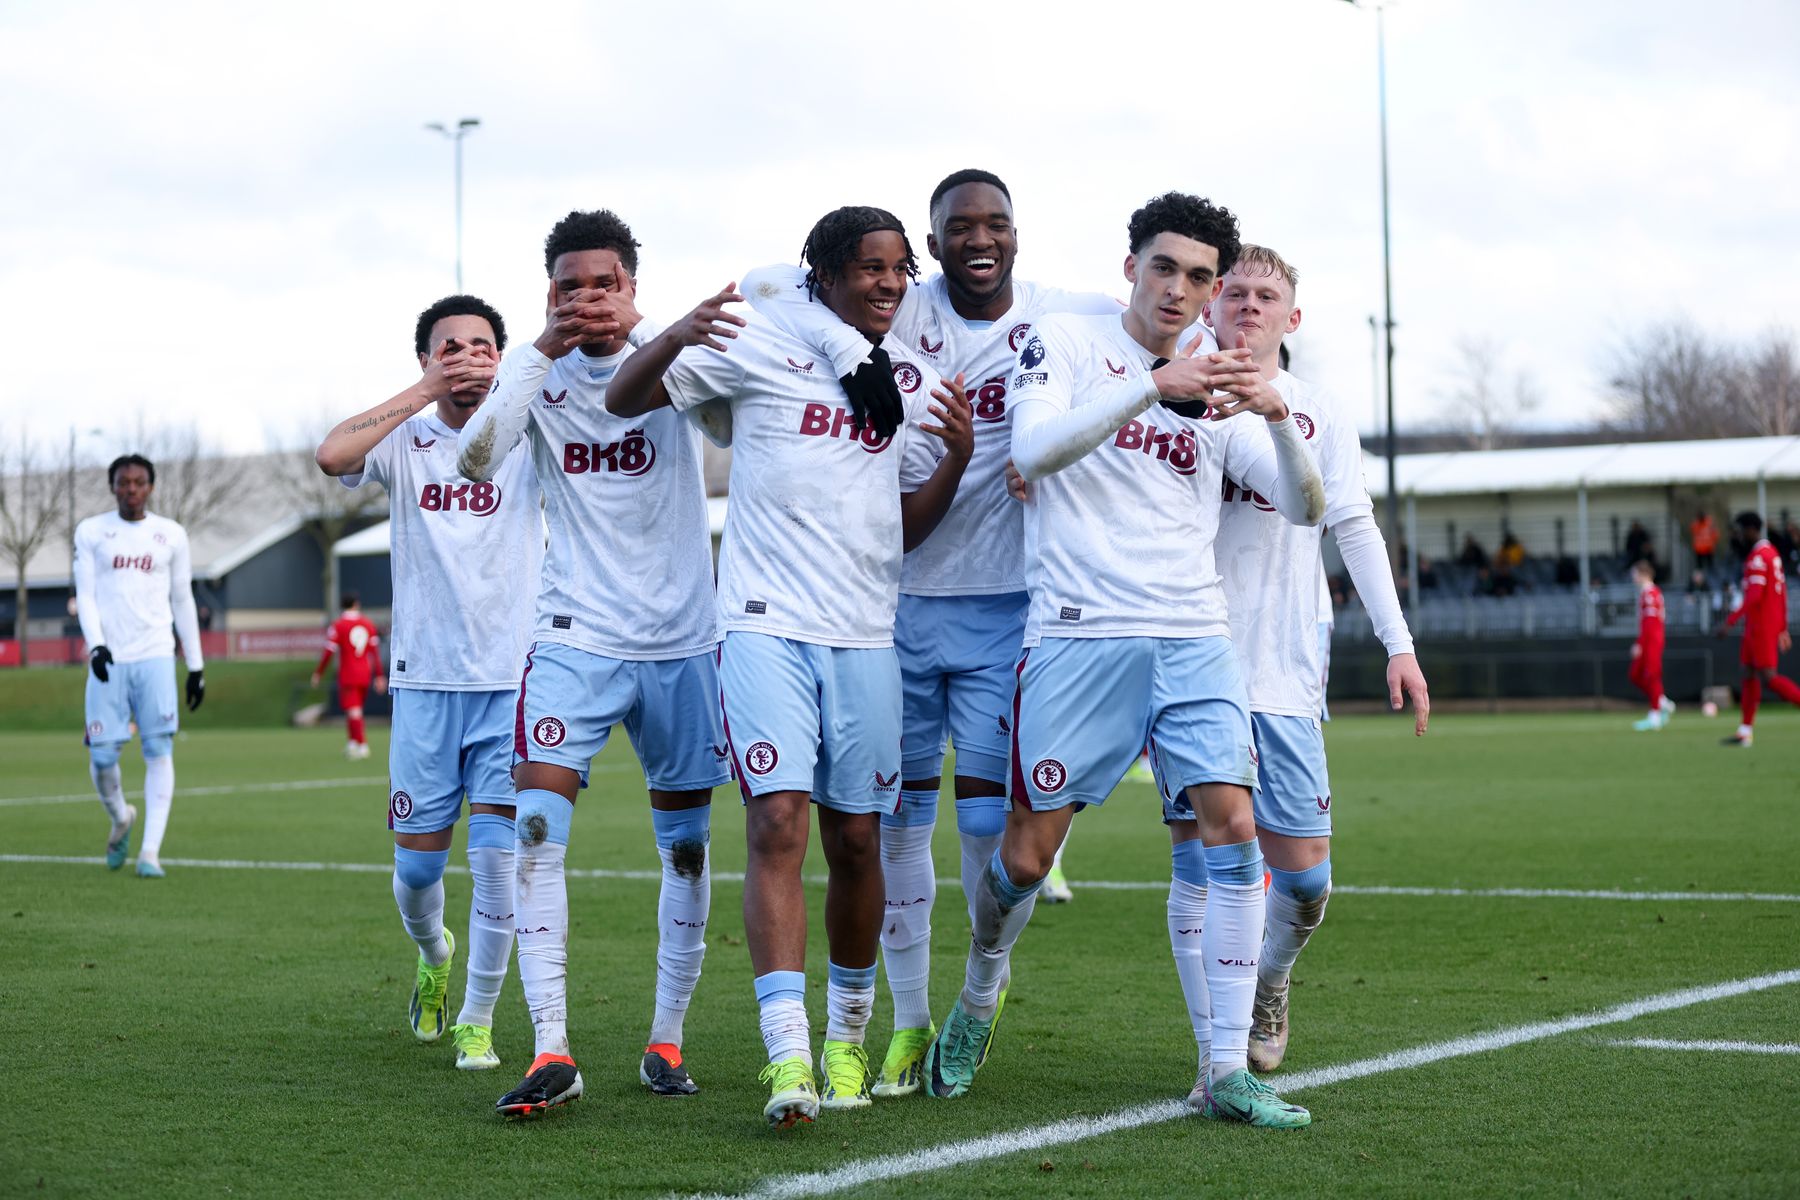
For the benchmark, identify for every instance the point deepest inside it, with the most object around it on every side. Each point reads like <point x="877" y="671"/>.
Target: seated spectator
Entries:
<point x="1704" y="535"/>
<point x="1510" y="554"/>
<point x="1697" y="581"/>
<point x="1472" y="553"/>
<point x="1427" y="574"/>
<point x="1504" y="584"/>
<point x="1637" y="542"/>
<point x="1484" y="581"/>
<point x="1568" y="571"/>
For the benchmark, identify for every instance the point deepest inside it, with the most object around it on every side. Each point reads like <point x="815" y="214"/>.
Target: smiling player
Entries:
<point x="824" y="501"/>
<point x="961" y="616"/>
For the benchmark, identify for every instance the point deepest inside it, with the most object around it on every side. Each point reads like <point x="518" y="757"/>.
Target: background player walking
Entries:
<point x="356" y="644"/>
<point x="1647" y="651"/>
<point x="1764" y="614"/>
<point x="133" y="585"/>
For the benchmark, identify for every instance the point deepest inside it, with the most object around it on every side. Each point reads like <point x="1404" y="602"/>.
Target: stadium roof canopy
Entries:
<point x="1573" y="468"/>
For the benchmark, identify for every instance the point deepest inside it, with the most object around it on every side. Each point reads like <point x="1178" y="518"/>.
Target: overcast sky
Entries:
<point x="221" y="214"/>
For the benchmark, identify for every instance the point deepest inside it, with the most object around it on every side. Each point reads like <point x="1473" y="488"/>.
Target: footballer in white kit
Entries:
<point x="133" y="585"/>
<point x="1271" y="570"/>
<point x="1127" y="638"/>
<point x="626" y="633"/>
<point x="464" y="557"/>
<point x="825" y="499"/>
<point x="961" y="616"/>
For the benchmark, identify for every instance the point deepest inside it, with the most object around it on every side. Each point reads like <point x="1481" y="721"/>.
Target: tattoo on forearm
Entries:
<point x="372" y="422"/>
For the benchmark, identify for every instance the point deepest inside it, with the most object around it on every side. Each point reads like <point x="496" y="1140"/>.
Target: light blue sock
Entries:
<point x="1302" y="886"/>
<point x="1189" y="862"/>
<point x="917" y="807"/>
<point x="1240" y="864"/>
<point x="687" y="824"/>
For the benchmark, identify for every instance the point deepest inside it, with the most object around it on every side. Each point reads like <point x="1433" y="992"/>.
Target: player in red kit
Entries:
<point x="1764" y="613"/>
<point x="1647" y="651"/>
<point x="352" y="637"/>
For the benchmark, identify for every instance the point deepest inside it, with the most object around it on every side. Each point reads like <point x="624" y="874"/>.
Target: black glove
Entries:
<point x="100" y="658"/>
<point x="874" y="400"/>
<point x="196" y="689"/>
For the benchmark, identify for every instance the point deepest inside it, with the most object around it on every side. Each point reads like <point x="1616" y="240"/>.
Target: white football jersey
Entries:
<point x="133" y="583"/>
<point x="1271" y="568"/>
<point x="466" y="560"/>
<point x="629" y="574"/>
<point x="1120" y="542"/>
<point x="813" y="539"/>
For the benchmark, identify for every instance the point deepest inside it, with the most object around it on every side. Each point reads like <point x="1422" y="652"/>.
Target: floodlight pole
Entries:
<point x="1387" y="284"/>
<point x="456" y="135"/>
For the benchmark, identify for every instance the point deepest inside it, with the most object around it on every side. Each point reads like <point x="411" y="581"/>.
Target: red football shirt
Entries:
<point x="1651" y="626"/>
<point x="1764" y="609"/>
<point x="352" y="637"/>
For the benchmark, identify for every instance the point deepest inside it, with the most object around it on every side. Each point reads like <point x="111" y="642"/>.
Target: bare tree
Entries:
<point x="31" y="501"/>
<point x="1487" y="399"/>
<point x="195" y="483"/>
<point x="1771" y="383"/>
<point x="1671" y="381"/>
<point x="330" y="509"/>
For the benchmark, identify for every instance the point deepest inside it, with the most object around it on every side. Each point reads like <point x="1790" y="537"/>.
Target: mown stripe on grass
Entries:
<point x="232" y="864"/>
<point x="884" y="1169"/>
<point x="1722" y="1047"/>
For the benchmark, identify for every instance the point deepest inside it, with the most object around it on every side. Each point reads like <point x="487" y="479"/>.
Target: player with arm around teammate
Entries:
<point x="961" y="616"/>
<point x="1127" y="640"/>
<point x="133" y="584"/>
<point x="1270" y="569"/>
<point x="465" y="561"/>
<point x="824" y="501"/>
<point x="626" y="633"/>
<point x="356" y="644"/>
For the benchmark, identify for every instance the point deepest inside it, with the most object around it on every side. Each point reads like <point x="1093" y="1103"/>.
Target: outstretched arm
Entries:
<point x="638" y="386"/>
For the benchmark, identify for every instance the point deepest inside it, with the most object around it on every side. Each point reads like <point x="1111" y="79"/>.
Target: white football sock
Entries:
<point x="1002" y="909"/>
<point x="911" y="881"/>
<point x="976" y="850"/>
<point x="112" y="791"/>
<point x="422" y="913"/>
<point x="492" y="870"/>
<point x="541" y="900"/>
<point x="682" y="908"/>
<point x="785" y="1031"/>
<point x="159" y="797"/>
<point x="1187" y="917"/>
<point x="1290" y="923"/>
<point x="1232" y="937"/>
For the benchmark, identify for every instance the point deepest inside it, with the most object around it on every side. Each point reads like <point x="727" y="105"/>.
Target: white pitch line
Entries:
<point x="231" y="864"/>
<point x="884" y="1169"/>
<point x="1728" y="1047"/>
<point x="234" y="789"/>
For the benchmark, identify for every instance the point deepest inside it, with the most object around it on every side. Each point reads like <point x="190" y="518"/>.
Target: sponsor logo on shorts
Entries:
<point x="1049" y="775"/>
<point x="400" y="805"/>
<point x="1005" y="726"/>
<point x="756" y="608"/>
<point x="400" y="666"/>
<point x="167" y="718"/>
<point x="548" y="732"/>
<point x="96" y="728"/>
<point x="1324" y="803"/>
<point x="907" y="377"/>
<point x="1016" y="335"/>
<point x="561" y="621"/>
<point x="1070" y="614"/>
<point x="886" y="784"/>
<point x="1305" y="425"/>
<point x="1254" y="761"/>
<point x="761" y="758"/>
<point x="721" y="752"/>
<point x="1033" y="354"/>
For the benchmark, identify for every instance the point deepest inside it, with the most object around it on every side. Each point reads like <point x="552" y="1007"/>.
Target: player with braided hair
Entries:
<point x="823" y="507"/>
<point x="831" y="245"/>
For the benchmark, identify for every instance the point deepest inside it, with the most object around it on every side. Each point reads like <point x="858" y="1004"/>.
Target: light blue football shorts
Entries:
<point x="143" y="691"/>
<point x="1295" y="798"/>
<point x="1086" y="707"/>
<point x="446" y="745"/>
<point x="818" y="719"/>
<point x="958" y="658"/>
<point x="569" y="700"/>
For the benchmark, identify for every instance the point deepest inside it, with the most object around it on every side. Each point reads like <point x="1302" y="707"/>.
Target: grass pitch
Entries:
<point x="240" y="1029"/>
